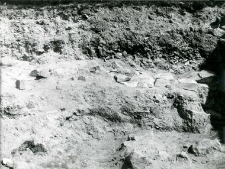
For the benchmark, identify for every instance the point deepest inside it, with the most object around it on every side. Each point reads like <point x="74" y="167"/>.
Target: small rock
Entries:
<point x="131" y="138"/>
<point x="20" y="84"/>
<point x="118" y="55"/>
<point x="85" y="16"/>
<point x="168" y="86"/>
<point x="95" y="69"/>
<point x="34" y="73"/>
<point x="204" y="147"/>
<point x="158" y="98"/>
<point x="30" y="105"/>
<point x="121" y="78"/>
<point x="7" y="162"/>
<point x="82" y="78"/>
<point x="183" y="155"/>
<point x="137" y="160"/>
<point x="218" y="32"/>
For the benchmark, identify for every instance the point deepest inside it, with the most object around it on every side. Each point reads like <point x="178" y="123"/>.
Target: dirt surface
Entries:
<point x="122" y="86"/>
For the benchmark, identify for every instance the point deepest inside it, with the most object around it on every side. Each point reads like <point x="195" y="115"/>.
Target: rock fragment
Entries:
<point x="121" y="78"/>
<point x="82" y="78"/>
<point x="218" y="32"/>
<point x="30" y="105"/>
<point x="183" y="155"/>
<point x="8" y="163"/>
<point x="137" y="161"/>
<point x="20" y="84"/>
<point x="34" y="73"/>
<point x="95" y="69"/>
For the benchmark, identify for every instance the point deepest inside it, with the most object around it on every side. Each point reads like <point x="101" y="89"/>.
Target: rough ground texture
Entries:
<point x="112" y="86"/>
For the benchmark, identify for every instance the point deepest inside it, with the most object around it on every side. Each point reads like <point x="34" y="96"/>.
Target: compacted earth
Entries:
<point x="113" y="85"/>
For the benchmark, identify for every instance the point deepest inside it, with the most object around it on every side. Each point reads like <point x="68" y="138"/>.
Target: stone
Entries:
<point x="30" y="105"/>
<point x="205" y="147"/>
<point x="133" y="137"/>
<point x="218" y="32"/>
<point x="137" y="161"/>
<point x="121" y="78"/>
<point x="85" y="16"/>
<point x="95" y="69"/>
<point x="82" y="78"/>
<point x="34" y="73"/>
<point x="183" y="155"/>
<point x="158" y="98"/>
<point x="8" y="162"/>
<point x="20" y="84"/>
<point x="118" y="55"/>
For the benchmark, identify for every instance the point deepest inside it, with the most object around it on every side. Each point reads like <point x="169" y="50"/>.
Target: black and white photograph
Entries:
<point x="112" y="84"/>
